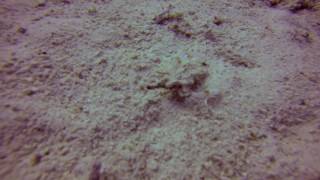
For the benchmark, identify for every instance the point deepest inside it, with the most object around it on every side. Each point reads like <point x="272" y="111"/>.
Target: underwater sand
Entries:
<point x="164" y="90"/>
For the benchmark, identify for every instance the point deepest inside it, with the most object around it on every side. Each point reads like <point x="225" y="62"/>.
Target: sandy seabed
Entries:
<point x="159" y="89"/>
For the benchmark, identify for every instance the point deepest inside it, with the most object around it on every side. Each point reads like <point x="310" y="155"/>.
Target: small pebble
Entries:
<point x="31" y="91"/>
<point x="21" y="30"/>
<point x="35" y="159"/>
<point x="40" y="3"/>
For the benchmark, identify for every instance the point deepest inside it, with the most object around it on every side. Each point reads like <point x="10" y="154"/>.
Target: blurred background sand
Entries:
<point x="114" y="89"/>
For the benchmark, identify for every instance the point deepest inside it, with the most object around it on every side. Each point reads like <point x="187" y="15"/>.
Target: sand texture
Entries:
<point x="159" y="90"/>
